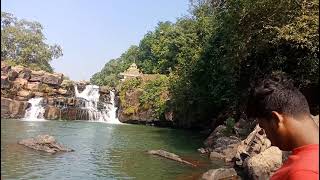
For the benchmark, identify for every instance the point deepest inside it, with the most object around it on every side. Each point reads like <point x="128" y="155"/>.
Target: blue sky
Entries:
<point x="91" y="32"/>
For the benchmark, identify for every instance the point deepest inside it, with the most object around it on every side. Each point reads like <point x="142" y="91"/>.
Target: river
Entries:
<point x="102" y="151"/>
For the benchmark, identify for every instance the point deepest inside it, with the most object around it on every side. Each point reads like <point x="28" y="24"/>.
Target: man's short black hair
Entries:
<point x="276" y="93"/>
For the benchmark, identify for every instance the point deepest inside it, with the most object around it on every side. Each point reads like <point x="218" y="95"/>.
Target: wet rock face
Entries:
<point x="68" y="113"/>
<point x="52" y="113"/>
<point x="44" y="143"/>
<point x="12" y="108"/>
<point x="221" y="173"/>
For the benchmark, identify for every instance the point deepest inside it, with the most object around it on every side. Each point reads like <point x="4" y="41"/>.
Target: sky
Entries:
<point x="91" y="32"/>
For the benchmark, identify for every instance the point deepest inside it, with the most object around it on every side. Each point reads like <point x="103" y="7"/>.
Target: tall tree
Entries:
<point x="23" y="42"/>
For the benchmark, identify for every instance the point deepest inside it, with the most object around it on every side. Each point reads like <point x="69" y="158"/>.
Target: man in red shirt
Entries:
<point x="283" y="112"/>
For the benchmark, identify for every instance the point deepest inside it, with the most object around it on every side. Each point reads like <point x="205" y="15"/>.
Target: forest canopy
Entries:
<point x="212" y="55"/>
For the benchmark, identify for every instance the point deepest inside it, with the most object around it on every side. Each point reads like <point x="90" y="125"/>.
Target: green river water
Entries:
<point x="102" y="151"/>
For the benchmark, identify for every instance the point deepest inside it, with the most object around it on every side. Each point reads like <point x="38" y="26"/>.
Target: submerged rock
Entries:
<point x="44" y="143"/>
<point x="221" y="173"/>
<point x="169" y="155"/>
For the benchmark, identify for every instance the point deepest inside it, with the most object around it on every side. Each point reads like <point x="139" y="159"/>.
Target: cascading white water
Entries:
<point x="91" y="96"/>
<point x="36" y="111"/>
<point x="111" y="115"/>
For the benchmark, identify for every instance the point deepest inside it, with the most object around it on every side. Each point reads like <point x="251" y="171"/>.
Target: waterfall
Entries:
<point x="91" y="96"/>
<point x="35" y="111"/>
<point x="111" y="115"/>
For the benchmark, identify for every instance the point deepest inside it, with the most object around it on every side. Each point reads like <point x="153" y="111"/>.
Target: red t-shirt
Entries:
<point x="302" y="164"/>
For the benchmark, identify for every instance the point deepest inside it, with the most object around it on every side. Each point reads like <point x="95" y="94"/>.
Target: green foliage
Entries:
<point x="213" y="55"/>
<point x="154" y="95"/>
<point x="230" y="122"/>
<point x="23" y="43"/>
<point x="127" y="86"/>
<point x="109" y="75"/>
<point x="130" y="84"/>
<point x="67" y="83"/>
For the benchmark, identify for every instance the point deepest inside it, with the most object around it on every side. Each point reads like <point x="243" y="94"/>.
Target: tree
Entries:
<point x="22" y="42"/>
<point x="213" y="55"/>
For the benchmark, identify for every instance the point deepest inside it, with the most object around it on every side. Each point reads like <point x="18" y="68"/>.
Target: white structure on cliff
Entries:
<point x="132" y="71"/>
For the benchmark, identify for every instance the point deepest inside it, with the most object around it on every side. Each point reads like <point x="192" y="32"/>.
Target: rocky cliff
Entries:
<point x="19" y="84"/>
<point x="143" y="100"/>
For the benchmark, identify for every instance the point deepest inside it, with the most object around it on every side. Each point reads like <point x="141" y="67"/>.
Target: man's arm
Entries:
<point x="303" y="175"/>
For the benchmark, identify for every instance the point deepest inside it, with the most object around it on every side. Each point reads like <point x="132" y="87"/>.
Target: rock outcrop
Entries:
<point x="12" y="108"/>
<point x="254" y="155"/>
<point x="220" y="174"/>
<point x="169" y="155"/>
<point x="44" y="143"/>
<point x="19" y="84"/>
<point x="264" y="164"/>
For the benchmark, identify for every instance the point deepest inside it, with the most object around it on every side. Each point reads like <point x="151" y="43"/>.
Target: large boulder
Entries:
<point x="20" y="83"/>
<point x="25" y="93"/>
<point x="44" y="143"/>
<point x="12" y="108"/>
<point x="255" y="143"/>
<point x="263" y="165"/>
<point x="227" y="153"/>
<point x="36" y="76"/>
<point x="5" y="84"/>
<point x="23" y="72"/>
<point x="217" y="133"/>
<point x="33" y="86"/>
<point x="12" y="75"/>
<point x="220" y="174"/>
<point x="52" y="79"/>
<point x="223" y="143"/>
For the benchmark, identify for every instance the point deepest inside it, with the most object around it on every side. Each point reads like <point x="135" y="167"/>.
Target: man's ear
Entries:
<point x="278" y="118"/>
